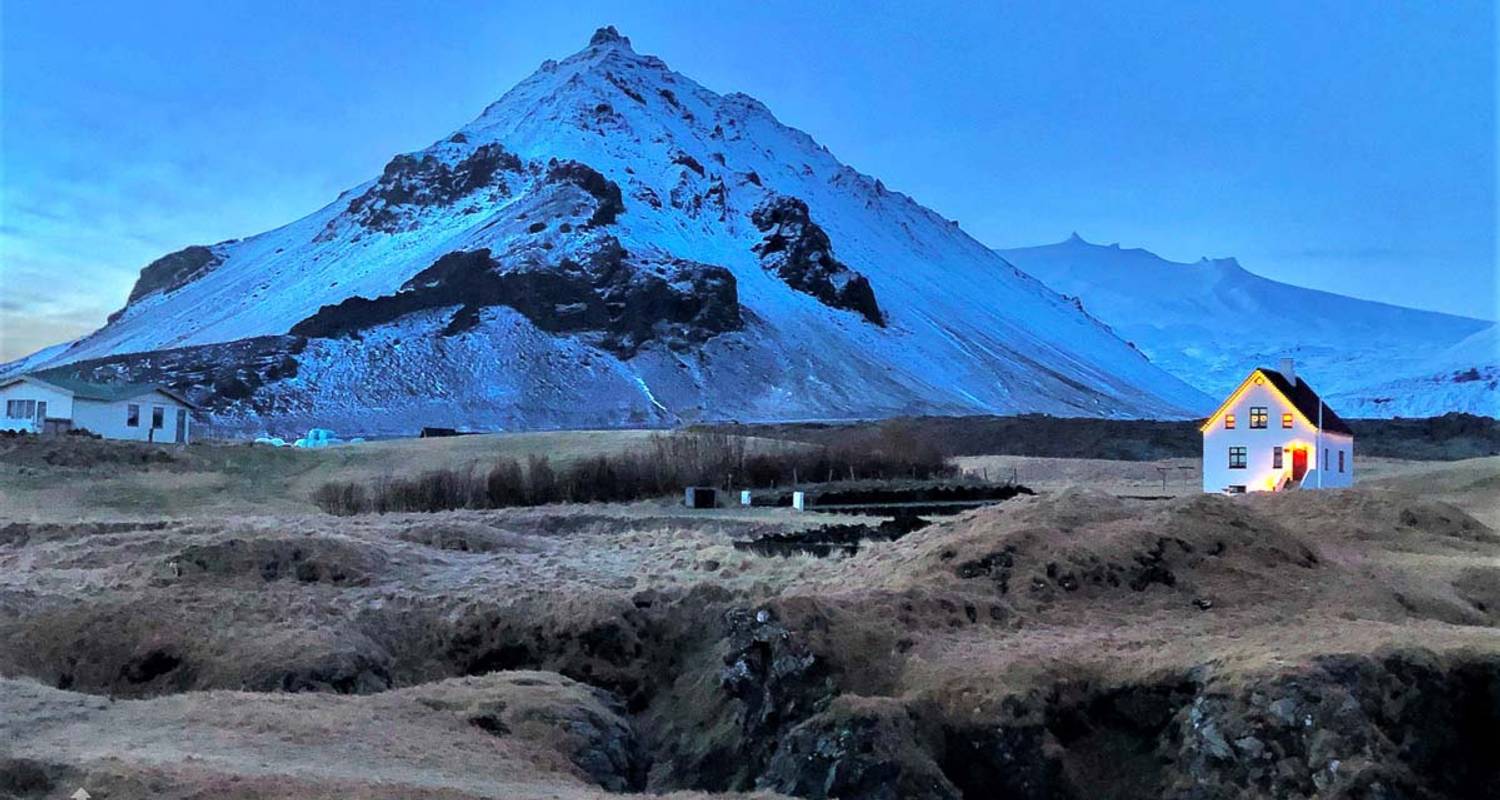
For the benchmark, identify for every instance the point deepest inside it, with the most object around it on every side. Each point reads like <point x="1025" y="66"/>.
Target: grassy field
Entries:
<point x="74" y="478"/>
<point x="182" y="622"/>
<point x="552" y="652"/>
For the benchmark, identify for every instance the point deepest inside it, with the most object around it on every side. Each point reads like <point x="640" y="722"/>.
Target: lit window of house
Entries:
<point x="1237" y="458"/>
<point x="1258" y="416"/>
<point x="1286" y="420"/>
<point x="1228" y="421"/>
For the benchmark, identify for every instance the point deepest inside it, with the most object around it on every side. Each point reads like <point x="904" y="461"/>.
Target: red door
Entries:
<point x="1299" y="463"/>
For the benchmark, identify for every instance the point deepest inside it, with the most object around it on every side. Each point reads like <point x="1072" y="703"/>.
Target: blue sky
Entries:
<point x="1345" y="146"/>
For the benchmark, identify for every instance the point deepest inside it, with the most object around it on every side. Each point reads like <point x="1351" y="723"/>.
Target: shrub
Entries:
<point x="344" y="498"/>
<point x="667" y="464"/>
<point x="541" y="482"/>
<point x="505" y="485"/>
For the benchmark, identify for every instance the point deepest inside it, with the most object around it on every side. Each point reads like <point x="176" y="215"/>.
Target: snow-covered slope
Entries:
<point x="1211" y="322"/>
<point x="611" y="243"/>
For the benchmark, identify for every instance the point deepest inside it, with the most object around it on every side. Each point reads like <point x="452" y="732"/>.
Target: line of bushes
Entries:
<point x="666" y="465"/>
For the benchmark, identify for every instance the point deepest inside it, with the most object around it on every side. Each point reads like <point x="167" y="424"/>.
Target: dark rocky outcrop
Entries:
<point x="685" y="160"/>
<point x="604" y="191"/>
<point x="410" y="183"/>
<point x="215" y="376"/>
<point x="171" y="271"/>
<point x="776" y="680"/>
<point x="607" y="35"/>
<point x="1406" y="725"/>
<point x="800" y="253"/>
<point x="861" y="747"/>
<point x="603" y="291"/>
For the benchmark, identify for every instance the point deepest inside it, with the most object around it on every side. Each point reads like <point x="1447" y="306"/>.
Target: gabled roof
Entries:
<point x="1300" y="396"/>
<point x="105" y="392"/>
<point x="1307" y="401"/>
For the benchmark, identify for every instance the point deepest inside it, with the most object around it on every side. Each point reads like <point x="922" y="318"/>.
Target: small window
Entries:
<point x="1228" y="421"/>
<point x="1325" y="460"/>
<point x="1286" y="420"/>
<point x="1258" y="416"/>
<point x="20" y="409"/>
<point x="1236" y="458"/>
<point x="132" y="416"/>
<point x="1276" y="457"/>
<point x="158" y="417"/>
<point x="1341" y="461"/>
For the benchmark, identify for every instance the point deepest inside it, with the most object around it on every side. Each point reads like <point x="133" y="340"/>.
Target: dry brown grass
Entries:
<point x="628" y="594"/>
<point x="218" y="481"/>
<point x="421" y="742"/>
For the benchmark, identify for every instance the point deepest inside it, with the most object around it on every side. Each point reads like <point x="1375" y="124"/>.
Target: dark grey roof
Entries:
<point x="106" y="392"/>
<point x="1307" y="401"/>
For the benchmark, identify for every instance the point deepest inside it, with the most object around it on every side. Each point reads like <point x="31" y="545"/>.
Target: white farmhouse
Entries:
<point x="1275" y="433"/>
<point x="34" y="404"/>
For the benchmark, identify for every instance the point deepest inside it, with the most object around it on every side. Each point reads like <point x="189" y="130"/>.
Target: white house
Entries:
<point x="114" y="410"/>
<point x="1275" y="433"/>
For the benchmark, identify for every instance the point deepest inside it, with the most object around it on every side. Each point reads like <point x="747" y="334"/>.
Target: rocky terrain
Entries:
<point x="1341" y="644"/>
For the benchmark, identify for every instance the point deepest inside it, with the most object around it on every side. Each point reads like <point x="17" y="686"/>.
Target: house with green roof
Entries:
<point x="55" y="404"/>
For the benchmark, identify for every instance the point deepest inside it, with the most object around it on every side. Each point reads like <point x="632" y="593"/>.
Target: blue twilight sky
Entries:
<point x="1341" y="145"/>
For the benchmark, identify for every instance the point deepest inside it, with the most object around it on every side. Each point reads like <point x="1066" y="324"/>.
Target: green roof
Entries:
<point x="106" y="392"/>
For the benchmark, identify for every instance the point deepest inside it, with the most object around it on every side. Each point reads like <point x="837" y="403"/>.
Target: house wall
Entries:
<point x="1331" y="478"/>
<point x="59" y="404"/>
<point x="109" y="419"/>
<point x="1259" y="473"/>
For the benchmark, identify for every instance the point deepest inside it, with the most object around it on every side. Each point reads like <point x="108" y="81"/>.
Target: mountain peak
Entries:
<point x="1074" y="238"/>
<point x="618" y="222"/>
<point x="607" y="35"/>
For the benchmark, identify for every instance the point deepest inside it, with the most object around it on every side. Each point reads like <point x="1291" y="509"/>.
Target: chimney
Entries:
<point x="1289" y="370"/>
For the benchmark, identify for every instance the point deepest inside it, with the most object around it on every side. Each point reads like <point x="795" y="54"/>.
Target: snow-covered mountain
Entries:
<point x="1211" y="322"/>
<point x="612" y="243"/>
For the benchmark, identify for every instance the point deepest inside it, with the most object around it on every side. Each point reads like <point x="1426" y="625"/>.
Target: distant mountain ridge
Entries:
<point x="1212" y="321"/>
<point x="612" y="244"/>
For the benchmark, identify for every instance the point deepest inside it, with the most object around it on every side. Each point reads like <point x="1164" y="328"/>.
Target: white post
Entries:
<point x="1318" y="443"/>
<point x="745" y="497"/>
